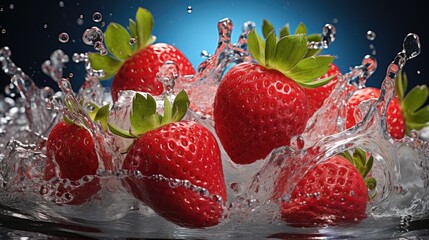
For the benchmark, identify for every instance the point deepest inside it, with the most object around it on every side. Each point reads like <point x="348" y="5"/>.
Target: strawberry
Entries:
<point x="260" y="106"/>
<point x="136" y="65"/>
<point x="183" y="153"/>
<point x="71" y="155"/>
<point x="331" y="193"/>
<point x="404" y="113"/>
<point x="71" y="148"/>
<point x="316" y="96"/>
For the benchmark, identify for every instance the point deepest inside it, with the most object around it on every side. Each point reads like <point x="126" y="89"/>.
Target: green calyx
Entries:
<point x="413" y="107"/>
<point x="144" y="116"/>
<point x="122" y="44"/>
<point x="290" y="55"/>
<point x="95" y="112"/>
<point x="363" y="165"/>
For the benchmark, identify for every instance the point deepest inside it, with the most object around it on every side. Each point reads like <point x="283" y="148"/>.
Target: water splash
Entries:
<point x="202" y="86"/>
<point x="54" y="67"/>
<point x="401" y="166"/>
<point x="94" y="37"/>
<point x="38" y="117"/>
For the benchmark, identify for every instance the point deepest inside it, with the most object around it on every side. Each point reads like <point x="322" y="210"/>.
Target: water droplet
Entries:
<point x="189" y="9"/>
<point x="45" y="26"/>
<point x="3" y="31"/>
<point x="97" y="17"/>
<point x="11" y="6"/>
<point x="98" y="46"/>
<point x="63" y="37"/>
<point x="133" y="41"/>
<point x="79" y="21"/>
<point x="61" y="4"/>
<point x="370" y="35"/>
<point x="103" y="52"/>
<point x="92" y="35"/>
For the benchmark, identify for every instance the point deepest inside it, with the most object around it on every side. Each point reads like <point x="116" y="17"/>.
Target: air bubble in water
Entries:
<point x="189" y="9"/>
<point x="132" y="41"/>
<point x="418" y="72"/>
<point x="63" y="37"/>
<point x="61" y="4"/>
<point x="335" y="20"/>
<point x="97" y="17"/>
<point x="45" y="26"/>
<point x="370" y="35"/>
<point x="11" y="6"/>
<point x="3" y="31"/>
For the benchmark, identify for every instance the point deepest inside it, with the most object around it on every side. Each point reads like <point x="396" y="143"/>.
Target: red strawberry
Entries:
<point x="70" y="151"/>
<point x="71" y="155"/>
<point x="316" y="96"/>
<point x="259" y="107"/>
<point x="395" y="118"/>
<point x="136" y="66"/>
<point x="182" y="151"/>
<point x="331" y="193"/>
<point x="403" y="113"/>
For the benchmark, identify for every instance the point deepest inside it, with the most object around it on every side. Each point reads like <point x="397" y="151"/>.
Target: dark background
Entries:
<point x="31" y="28"/>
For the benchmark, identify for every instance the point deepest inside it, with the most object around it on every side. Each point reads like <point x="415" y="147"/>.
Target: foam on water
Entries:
<point x="252" y="207"/>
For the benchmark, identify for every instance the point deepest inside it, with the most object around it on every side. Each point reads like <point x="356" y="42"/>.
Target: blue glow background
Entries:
<point x="31" y="43"/>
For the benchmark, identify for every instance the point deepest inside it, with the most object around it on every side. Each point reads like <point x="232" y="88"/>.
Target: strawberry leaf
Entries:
<point x="270" y="48"/>
<point x="144" y="23"/>
<point x="267" y="28"/>
<point x="301" y="29"/>
<point x="412" y="104"/>
<point x="93" y="106"/>
<point x="256" y="46"/>
<point x="401" y="83"/>
<point x="293" y="48"/>
<point x="317" y="83"/>
<point x="133" y="28"/>
<point x="102" y="116"/>
<point x="285" y="31"/>
<point x="68" y="120"/>
<point x="313" y="38"/>
<point x="416" y="98"/>
<point x="368" y="166"/>
<point x="180" y="106"/>
<point x="420" y="116"/>
<point x="120" y="132"/>
<point x="310" y="68"/>
<point x="168" y="112"/>
<point x="141" y="114"/>
<point x="370" y="183"/>
<point x="118" y="41"/>
<point x="148" y="123"/>
<point x="106" y="63"/>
